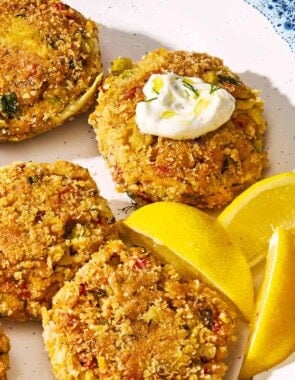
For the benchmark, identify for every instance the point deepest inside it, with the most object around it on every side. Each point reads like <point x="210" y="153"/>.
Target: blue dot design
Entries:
<point x="281" y="14"/>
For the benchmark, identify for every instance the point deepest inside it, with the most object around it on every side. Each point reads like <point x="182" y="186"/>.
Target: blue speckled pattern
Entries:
<point x="281" y="13"/>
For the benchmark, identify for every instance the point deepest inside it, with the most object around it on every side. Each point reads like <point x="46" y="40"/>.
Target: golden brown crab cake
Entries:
<point x="50" y="66"/>
<point x="4" y="359"/>
<point x="206" y="172"/>
<point x="126" y="315"/>
<point x="52" y="219"/>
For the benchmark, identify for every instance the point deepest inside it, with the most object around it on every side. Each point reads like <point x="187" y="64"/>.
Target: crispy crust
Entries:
<point x="4" y="359"/>
<point x="127" y="316"/>
<point x="51" y="221"/>
<point x="206" y="172"/>
<point x="55" y="57"/>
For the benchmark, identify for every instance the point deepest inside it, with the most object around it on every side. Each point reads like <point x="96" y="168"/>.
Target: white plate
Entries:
<point x="230" y="29"/>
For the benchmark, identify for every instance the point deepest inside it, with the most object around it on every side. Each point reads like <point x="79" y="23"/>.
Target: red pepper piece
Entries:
<point x="60" y="6"/>
<point x="82" y="290"/>
<point x="140" y="264"/>
<point x="24" y="292"/>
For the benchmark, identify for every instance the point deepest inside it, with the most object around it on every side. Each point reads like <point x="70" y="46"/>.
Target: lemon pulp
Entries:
<point x="196" y="245"/>
<point x="272" y="330"/>
<point x="251" y="218"/>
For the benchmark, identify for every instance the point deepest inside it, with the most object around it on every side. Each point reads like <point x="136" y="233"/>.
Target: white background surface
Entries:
<point x="230" y="29"/>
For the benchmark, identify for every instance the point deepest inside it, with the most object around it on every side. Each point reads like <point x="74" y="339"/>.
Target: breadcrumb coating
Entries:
<point x="206" y="172"/>
<point x="4" y="359"/>
<point x="49" y="59"/>
<point x="52" y="219"/>
<point x="126" y="315"/>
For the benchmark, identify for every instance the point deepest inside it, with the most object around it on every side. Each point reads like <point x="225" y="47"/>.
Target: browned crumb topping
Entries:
<point x="4" y="360"/>
<point x="51" y="221"/>
<point x="49" y="58"/>
<point x="206" y="172"/>
<point x="128" y="316"/>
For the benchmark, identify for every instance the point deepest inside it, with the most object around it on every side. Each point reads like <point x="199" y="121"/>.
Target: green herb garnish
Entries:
<point x="213" y="88"/>
<point x="227" y="79"/>
<point x="9" y="104"/>
<point x="190" y="87"/>
<point x="157" y="92"/>
<point x="151" y="99"/>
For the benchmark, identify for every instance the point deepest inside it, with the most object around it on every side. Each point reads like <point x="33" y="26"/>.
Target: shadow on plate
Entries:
<point x="28" y="358"/>
<point x="280" y="116"/>
<point x="115" y="43"/>
<point x="74" y="139"/>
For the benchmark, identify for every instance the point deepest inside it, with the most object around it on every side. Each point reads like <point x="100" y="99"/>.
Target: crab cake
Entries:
<point x="51" y="221"/>
<point x="207" y="171"/>
<point x="50" y="66"/>
<point x="4" y="360"/>
<point x="126" y="315"/>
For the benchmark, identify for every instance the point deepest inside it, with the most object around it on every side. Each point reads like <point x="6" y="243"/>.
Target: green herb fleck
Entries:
<point x="156" y="91"/>
<point x="132" y="206"/>
<point x="98" y="293"/>
<point x="190" y="87"/>
<point x="258" y="146"/>
<point x="225" y="164"/>
<point x="207" y="317"/>
<point x="186" y="93"/>
<point x="54" y="100"/>
<point x="227" y="79"/>
<point x="32" y="179"/>
<point x="9" y="104"/>
<point x="151" y="99"/>
<point x="71" y="64"/>
<point x="213" y="88"/>
<point x="120" y="65"/>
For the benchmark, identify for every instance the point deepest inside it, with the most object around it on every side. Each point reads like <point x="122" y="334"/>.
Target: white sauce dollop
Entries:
<point x="182" y="107"/>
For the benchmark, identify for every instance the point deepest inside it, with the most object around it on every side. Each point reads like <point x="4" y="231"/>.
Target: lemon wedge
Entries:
<point x="251" y="218"/>
<point x="196" y="245"/>
<point x="272" y="331"/>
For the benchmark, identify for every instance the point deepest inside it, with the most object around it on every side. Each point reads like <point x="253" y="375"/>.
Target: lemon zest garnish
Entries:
<point x="201" y="105"/>
<point x="168" y="114"/>
<point x="158" y="83"/>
